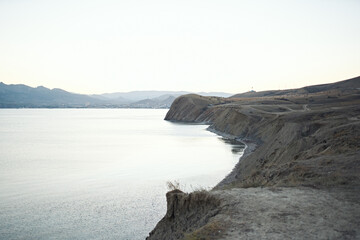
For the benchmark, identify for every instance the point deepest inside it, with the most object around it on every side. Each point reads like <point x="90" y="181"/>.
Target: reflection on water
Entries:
<point x="99" y="173"/>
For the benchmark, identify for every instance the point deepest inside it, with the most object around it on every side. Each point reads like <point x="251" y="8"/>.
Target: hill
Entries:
<point x="134" y="96"/>
<point x="22" y="96"/>
<point x="299" y="177"/>
<point x="341" y="87"/>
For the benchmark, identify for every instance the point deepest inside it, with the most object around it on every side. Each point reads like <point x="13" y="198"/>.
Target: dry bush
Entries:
<point x="175" y="185"/>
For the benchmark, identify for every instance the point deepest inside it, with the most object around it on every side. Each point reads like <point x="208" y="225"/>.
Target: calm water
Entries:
<point x="98" y="173"/>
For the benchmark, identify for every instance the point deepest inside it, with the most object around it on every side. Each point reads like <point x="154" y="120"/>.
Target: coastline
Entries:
<point x="299" y="176"/>
<point x="250" y="147"/>
<point x="261" y="212"/>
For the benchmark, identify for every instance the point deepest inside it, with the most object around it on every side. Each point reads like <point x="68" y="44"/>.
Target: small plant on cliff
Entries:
<point x="175" y="185"/>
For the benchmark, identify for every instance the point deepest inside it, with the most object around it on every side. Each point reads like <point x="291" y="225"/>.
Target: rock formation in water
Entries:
<point x="307" y="139"/>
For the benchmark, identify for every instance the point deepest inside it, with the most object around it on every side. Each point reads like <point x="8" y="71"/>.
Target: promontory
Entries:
<point x="298" y="178"/>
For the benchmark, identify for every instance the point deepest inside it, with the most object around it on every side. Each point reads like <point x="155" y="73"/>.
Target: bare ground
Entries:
<point x="289" y="213"/>
<point x="299" y="177"/>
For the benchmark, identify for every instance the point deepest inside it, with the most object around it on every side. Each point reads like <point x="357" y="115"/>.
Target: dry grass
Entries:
<point x="211" y="231"/>
<point x="175" y="185"/>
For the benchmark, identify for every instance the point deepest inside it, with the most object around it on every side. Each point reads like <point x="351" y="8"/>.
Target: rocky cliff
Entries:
<point x="297" y="140"/>
<point x="185" y="213"/>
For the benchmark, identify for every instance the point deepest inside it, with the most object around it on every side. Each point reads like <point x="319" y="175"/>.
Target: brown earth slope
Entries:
<point x="308" y="143"/>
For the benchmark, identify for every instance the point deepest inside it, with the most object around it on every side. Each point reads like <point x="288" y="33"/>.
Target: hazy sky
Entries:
<point x="96" y="46"/>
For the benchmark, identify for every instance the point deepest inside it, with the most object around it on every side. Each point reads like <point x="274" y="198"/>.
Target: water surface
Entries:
<point x="98" y="173"/>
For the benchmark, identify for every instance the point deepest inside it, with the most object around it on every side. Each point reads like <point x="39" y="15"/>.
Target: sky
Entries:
<point x="98" y="46"/>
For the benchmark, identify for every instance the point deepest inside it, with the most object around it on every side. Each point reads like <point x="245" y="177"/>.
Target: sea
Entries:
<point x="99" y="173"/>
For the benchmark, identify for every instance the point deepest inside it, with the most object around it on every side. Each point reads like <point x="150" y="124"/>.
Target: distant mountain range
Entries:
<point x="22" y="96"/>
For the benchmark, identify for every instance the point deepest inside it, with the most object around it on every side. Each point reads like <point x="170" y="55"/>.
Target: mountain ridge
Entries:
<point x="23" y="96"/>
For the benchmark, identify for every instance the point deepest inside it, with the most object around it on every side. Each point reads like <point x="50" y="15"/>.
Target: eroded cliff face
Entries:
<point x="261" y="213"/>
<point x="298" y="143"/>
<point x="190" y="107"/>
<point x="185" y="213"/>
<point x="308" y="142"/>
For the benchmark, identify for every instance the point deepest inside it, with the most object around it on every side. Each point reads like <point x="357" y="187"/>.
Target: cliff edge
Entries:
<point x="302" y="144"/>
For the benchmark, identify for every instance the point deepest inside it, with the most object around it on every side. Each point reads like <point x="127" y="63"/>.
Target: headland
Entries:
<point x="299" y="177"/>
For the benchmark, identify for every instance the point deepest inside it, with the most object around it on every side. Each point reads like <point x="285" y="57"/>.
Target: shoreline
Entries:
<point x="299" y="176"/>
<point x="231" y="212"/>
<point x="250" y="147"/>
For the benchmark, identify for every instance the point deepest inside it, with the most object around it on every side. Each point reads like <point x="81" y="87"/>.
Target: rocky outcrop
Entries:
<point x="261" y="213"/>
<point x="189" y="107"/>
<point x="185" y="213"/>
<point x="312" y="141"/>
<point x="309" y="142"/>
